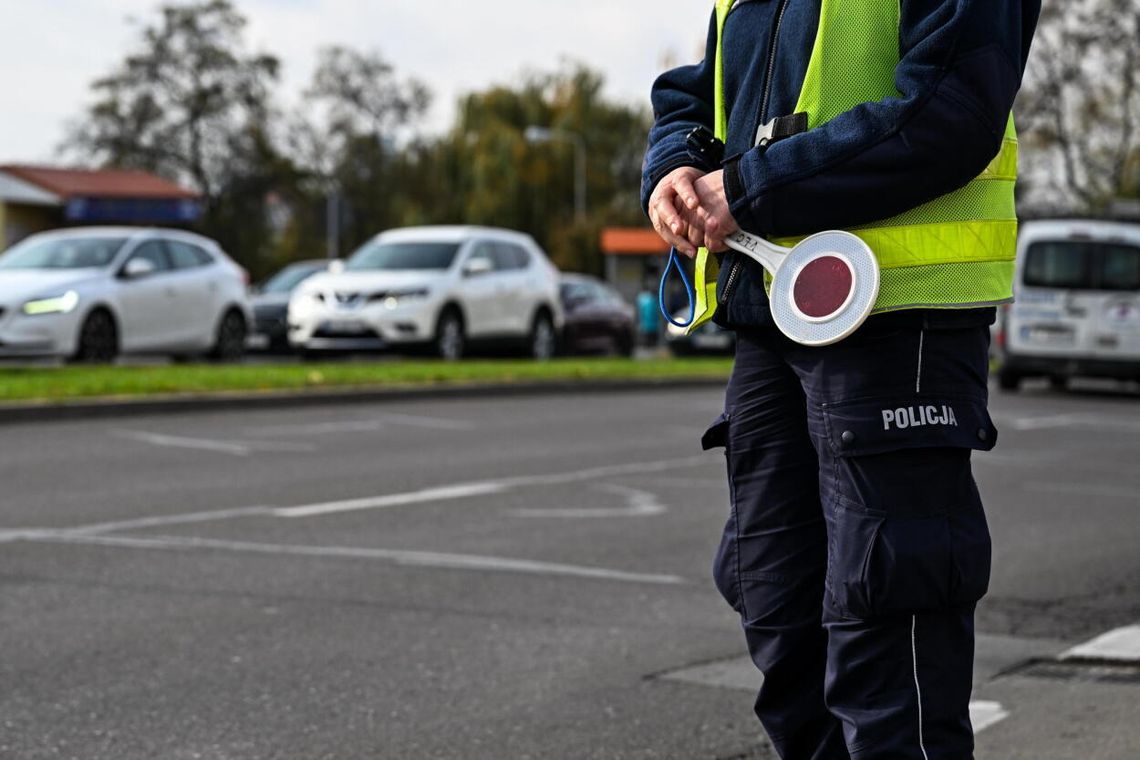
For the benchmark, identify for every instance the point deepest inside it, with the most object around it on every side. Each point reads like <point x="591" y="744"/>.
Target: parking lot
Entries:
<point x="501" y="578"/>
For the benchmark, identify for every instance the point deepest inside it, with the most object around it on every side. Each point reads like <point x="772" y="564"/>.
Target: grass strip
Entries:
<point x="59" y="384"/>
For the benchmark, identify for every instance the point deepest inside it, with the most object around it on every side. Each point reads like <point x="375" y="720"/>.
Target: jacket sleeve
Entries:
<point x="960" y="69"/>
<point x="682" y="99"/>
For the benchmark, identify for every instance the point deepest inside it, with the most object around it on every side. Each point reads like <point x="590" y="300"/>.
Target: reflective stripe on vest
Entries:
<point x="956" y="251"/>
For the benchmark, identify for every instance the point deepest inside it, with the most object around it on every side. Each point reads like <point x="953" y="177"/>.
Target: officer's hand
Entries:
<point x="676" y="191"/>
<point x="712" y="214"/>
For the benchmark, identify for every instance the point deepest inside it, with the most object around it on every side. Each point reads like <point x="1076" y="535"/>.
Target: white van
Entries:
<point x="1077" y="303"/>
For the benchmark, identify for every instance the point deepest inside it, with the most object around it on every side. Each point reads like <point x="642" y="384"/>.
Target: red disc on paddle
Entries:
<point x="823" y="287"/>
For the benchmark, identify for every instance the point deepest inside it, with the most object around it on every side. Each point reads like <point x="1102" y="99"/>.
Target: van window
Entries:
<point x="1059" y="265"/>
<point x="1081" y="265"/>
<point x="1120" y="268"/>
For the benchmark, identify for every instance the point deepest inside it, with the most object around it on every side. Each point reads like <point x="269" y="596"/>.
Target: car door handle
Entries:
<point x="171" y="292"/>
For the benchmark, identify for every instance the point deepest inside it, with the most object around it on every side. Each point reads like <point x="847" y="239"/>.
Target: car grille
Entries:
<point x="356" y="334"/>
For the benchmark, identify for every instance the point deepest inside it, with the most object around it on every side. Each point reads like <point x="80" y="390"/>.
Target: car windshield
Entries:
<point x="378" y="255"/>
<point x="62" y="253"/>
<point x="290" y="277"/>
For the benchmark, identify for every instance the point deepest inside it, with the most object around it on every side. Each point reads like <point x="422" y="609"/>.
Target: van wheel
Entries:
<point x="229" y="345"/>
<point x="543" y="341"/>
<point x="1008" y="380"/>
<point x="98" y="339"/>
<point x="450" y="342"/>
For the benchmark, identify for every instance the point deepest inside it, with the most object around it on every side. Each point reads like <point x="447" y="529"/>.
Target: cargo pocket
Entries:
<point x="906" y="529"/>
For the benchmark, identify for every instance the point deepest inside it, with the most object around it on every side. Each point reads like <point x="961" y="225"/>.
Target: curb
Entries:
<point x="184" y="404"/>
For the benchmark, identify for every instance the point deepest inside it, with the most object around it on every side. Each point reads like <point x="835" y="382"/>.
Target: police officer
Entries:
<point x="856" y="547"/>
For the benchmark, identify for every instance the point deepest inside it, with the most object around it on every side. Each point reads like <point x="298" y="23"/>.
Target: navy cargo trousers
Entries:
<point x="856" y="546"/>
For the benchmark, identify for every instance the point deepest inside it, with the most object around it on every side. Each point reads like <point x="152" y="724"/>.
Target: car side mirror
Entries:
<point x="336" y="266"/>
<point x="138" y="268"/>
<point x="476" y="266"/>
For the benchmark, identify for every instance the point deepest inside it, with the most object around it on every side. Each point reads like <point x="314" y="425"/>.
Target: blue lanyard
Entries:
<point x="675" y="263"/>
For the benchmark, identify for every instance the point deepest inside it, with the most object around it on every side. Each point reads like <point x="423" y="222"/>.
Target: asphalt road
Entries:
<point x="500" y="579"/>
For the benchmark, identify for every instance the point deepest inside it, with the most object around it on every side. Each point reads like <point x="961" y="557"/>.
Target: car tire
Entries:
<point x="1008" y="380"/>
<point x="543" y="341"/>
<point x="229" y="342"/>
<point x="98" y="339"/>
<point x="623" y="345"/>
<point x="450" y="340"/>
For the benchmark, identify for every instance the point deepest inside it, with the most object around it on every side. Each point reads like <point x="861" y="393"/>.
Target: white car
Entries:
<point x="1077" y="307"/>
<point x="442" y="287"/>
<point x="91" y="294"/>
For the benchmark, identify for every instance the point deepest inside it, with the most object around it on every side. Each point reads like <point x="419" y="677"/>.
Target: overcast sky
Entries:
<point x="50" y="50"/>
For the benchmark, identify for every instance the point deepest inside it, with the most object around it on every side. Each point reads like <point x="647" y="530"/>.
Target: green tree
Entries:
<point x="496" y="177"/>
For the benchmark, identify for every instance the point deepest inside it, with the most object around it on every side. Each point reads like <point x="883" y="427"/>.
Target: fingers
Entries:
<point x="670" y="226"/>
<point x="683" y="187"/>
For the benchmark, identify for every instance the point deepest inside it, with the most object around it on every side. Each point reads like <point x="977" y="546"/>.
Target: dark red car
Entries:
<point x="597" y="318"/>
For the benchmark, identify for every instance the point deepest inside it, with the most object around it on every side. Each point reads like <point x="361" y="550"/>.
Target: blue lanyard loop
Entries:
<point x="675" y="263"/>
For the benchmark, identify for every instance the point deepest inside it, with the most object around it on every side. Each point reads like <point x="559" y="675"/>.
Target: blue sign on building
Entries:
<point x="132" y="210"/>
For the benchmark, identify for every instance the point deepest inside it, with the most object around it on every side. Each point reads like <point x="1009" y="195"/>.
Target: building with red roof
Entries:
<point x="37" y="198"/>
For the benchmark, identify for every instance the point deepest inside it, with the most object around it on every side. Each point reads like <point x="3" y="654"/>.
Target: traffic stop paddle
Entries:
<point x="822" y="289"/>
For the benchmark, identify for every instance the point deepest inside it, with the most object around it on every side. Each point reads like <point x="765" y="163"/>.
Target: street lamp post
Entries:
<point x="535" y="134"/>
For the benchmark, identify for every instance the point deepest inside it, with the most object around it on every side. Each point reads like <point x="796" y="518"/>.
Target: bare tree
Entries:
<point x="187" y="104"/>
<point x="1079" y="107"/>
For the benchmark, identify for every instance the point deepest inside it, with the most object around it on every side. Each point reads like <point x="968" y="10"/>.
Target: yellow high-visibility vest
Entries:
<point x="956" y="251"/>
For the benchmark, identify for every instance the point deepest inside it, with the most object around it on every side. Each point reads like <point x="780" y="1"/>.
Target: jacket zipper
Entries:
<point x="737" y="264"/>
<point x="772" y="61"/>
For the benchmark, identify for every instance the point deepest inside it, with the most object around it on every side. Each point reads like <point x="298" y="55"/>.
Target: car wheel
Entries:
<point x="450" y="341"/>
<point x="1008" y="380"/>
<point x="229" y="345"/>
<point x="543" y="340"/>
<point x="98" y="339"/>
<point x="623" y="344"/>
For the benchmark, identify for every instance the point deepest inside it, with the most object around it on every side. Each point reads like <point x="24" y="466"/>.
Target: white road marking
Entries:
<point x="480" y="488"/>
<point x="436" y="560"/>
<point x="441" y="493"/>
<point x="1051" y="421"/>
<point x="1082" y="489"/>
<point x="639" y="504"/>
<point x="163" y="520"/>
<point x="984" y="714"/>
<point x="363" y="426"/>
<point x="1083" y="419"/>
<point x="181" y="442"/>
<point x="1121" y="645"/>
<point x="233" y="448"/>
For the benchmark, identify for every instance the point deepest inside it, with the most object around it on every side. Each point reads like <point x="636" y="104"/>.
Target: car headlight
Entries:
<point x="394" y="298"/>
<point x="61" y="304"/>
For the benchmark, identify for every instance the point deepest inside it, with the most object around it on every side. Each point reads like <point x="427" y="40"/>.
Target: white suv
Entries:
<point x="442" y="287"/>
<point x="91" y="294"/>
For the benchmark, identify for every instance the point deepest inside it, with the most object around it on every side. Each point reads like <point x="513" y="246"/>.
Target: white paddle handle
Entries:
<point x="769" y="256"/>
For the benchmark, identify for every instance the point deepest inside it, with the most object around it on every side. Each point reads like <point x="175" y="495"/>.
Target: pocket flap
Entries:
<point x="875" y="426"/>
<point x="716" y="437"/>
